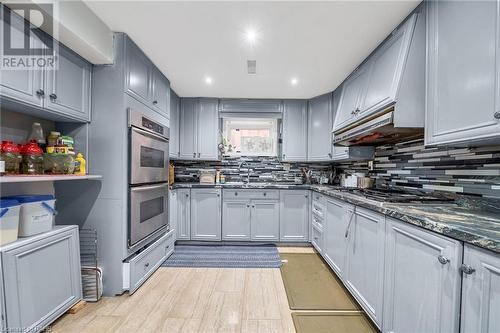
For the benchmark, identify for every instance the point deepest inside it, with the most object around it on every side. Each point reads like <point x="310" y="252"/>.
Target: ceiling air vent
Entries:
<point x="252" y="66"/>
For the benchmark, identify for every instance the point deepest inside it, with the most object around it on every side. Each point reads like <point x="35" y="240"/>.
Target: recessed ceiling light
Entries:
<point x="208" y="80"/>
<point x="294" y="81"/>
<point x="251" y="36"/>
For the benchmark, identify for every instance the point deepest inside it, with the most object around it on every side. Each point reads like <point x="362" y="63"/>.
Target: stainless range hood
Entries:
<point x="379" y="129"/>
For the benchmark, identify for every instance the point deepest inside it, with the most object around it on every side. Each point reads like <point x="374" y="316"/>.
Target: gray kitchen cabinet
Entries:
<point x="199" y="129"/>
<point x="351" y="97"/>
<point x="422" y="281"/>
<point x="138" y="73"/>
<point x="294" y="215"/>
<point x="160" y="93"/>
<point x="208" y="129"/>
<point x="317" y="238"/>
<point x="386" y="69"/>
<point x="236" y="220"/>
<point x="319" y="136"/>
<point x="338" y="216"/>
<point x="172" y="205"/>
<point x="188" y="123"/>
<point x="206" y="221"/>
<point x="462" y="72"/>
<point x="41" y="278"/>
<point x="183" y="212"/>
<point x="175" y="109"/>
<point x="480" y="290"/>
<point x="294" y="131"/>
<point x="22" y="85"/>
<point x="264" y="220"/>
<point x="67" y="89"/>
<point x="365" y="260"/>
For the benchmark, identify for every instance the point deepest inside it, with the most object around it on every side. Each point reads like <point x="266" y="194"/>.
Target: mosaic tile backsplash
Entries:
<point x="261" y="169"/>
<point x="470" y="171"/>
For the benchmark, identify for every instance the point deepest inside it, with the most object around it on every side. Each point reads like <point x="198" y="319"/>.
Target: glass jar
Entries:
<point x="32" y="159"/>
<point x="11" y="155"/>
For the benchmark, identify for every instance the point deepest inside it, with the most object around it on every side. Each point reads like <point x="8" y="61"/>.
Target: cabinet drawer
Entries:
<point x="318" y="210"/>
<point x="318" y="221"/>
<point x="317" y="238"/>
<point x="251" y="194"/>
<point x="137" y="270"/>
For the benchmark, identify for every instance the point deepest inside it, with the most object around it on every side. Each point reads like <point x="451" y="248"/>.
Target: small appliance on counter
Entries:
<point x="207" y="176"/>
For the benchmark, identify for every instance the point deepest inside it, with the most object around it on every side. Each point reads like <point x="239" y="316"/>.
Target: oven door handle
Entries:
<point x="150" y="134"/>
<point x="147" y="188"/>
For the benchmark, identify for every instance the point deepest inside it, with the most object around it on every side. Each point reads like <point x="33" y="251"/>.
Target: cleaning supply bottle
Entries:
<point x="80" y="165"/>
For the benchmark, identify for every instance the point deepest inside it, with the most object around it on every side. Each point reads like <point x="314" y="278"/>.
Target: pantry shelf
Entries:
<point x="44" y="178"/>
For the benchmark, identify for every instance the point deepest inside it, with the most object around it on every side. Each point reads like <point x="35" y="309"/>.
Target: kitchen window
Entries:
<point x="250" y="136"/>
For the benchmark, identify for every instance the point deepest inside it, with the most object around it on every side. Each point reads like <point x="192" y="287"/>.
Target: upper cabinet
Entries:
<point x="319" y="136"/>
<point x="67" y="89"/>
<point x="294" y="130"/>
<point x="463" y="71"/>
<point x="144" y="81"/>
<point x="239" y="105"/>
<point x="62" y="92"/>
<point x="393" y="75"/>
<point x="175" y="109"/>
<point x="199" y="129"/>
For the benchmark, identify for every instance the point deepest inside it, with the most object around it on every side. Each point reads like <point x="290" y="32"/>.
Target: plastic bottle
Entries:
<point x="80" y="165"/>
<point x="37" y="135"/>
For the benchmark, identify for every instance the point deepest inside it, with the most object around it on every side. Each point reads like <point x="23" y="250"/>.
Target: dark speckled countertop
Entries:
<point x="470" y="224"/>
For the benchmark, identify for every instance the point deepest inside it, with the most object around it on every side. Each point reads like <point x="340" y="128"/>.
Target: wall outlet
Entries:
<point x="370" y="165"/>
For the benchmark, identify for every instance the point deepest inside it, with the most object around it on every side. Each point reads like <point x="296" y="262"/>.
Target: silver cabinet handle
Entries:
<point x="53" y="96"/>
<point x="194" y="155"/>
<point x="146" y="265"/>
<point x="467" y="269"/>
<point x="283" y="155"/>
<point x="155" y="102"/>
<point x="443" y="260"/>
<point x="40" y="93"/>
<point x="497" y="115"/>
<point x="248" y="206"/>
<point x="265" y="193"/>
<point x="235" y="193"/>
<point x="187" y="195"/>
<point x="349" y="225"/>
<point x="199" y="155"/>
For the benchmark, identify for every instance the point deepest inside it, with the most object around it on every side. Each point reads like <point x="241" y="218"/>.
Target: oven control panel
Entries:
<point x="151" y="125"/>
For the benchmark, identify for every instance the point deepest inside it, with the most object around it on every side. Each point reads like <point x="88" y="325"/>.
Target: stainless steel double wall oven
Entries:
<point x="148" y="177"/>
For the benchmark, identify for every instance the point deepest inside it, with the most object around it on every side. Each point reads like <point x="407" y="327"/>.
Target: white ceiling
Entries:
<point x="319" y="43"/>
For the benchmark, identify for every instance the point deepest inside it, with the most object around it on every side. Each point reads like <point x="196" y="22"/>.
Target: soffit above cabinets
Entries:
<point x="316" y="43"/>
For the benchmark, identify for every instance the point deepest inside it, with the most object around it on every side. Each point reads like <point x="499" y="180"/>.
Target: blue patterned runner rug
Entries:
<point x="221" y="256"/>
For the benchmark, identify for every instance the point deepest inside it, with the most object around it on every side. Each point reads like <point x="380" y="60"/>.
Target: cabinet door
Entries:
<point x="67" y="88"/>
<point x="161" y="93"/>
<point x="422" y="280"/>
<point x="208" y="129"/>
<point x="352" y="93"/>
<point x="172" y="213"/>
<point x="319" y="128"/>
<point x="21" y="85"/>
<point x="338" y="215"/>
<point x="174" y="124"/>
<point x="481" y="291"/>
<point x="236" y="220"/>
<point x="206" y="214"/>
<point x="138" y="73"/>
<point x="462" y="71"/>
<point x="183" y="229"/>
<point x="365" y="260"/>
<point x="387" y="65"/>
<point x="294" y="131"/>
<point x="265" y="220"/>
<point x="294" y="216"/>
<point x="42" y="280"/>
<point x="188" y="126"/>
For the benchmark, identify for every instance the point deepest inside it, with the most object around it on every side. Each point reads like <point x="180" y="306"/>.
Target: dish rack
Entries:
<point x="91" y="272"/>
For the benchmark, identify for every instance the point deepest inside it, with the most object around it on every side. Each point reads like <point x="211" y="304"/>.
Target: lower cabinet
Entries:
<point x="206" y="221"/>
<point x="236" y="220"/>
<point x="264" y="222"/>
<point x="317" y="238"/>
<point x="365" y="260"/>
<point x="480" y="290"/>
<point x="41" y="279"/>
<point x="294" y="215"/>
<point x="183" y="214"/>
<point x="422" y="281"/>
<point x="338" y="215"/>
<point x="172" y="212"/>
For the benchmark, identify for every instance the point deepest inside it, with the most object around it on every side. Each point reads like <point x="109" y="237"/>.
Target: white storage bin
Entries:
<point x="36" y="214"/>
<point x="9" y="221"/>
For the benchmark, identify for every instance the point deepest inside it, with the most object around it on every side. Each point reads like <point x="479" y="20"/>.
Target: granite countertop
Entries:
<point x="473" y="225"/>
